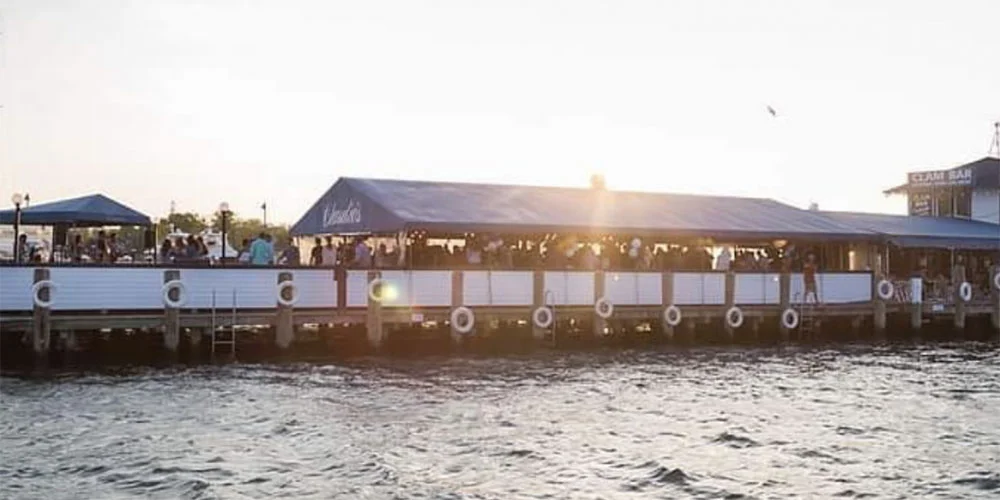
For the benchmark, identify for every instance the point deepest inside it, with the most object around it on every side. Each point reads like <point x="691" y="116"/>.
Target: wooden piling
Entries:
<point x="600" y="324"/>
<point x="916" y="303"/>
<point x="172" y="315"/>
<point x="784" y="302"/>
<point x="667" y="300"/>
<point x="457" y="300"/>
<point x="41" y="324"/>
<point x="957" y="278"/>
<point x="284" y="324"/>
<point x="879" y="309"/>
<point x="995" y="297"/>
<point x="538" y="300"/>
<point x="730" y="302"/>
<point x="375" y="327"/>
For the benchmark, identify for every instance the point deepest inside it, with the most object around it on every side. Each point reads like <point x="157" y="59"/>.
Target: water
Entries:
<point x="917" y="421"/>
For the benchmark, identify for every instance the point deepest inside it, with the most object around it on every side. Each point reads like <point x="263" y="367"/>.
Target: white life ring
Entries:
<point x="790" y="318"/>
<point x="884" y="289"/>
<point x="295" y="293"/>
<point x="965" y="291"/>
<point x="542" y="317"/>
<point x="604" y="308"/>
<point x="374" y="284"/>
<point x="672" y="315"/>
<point x="738" y="320"/>
<point x="181" y="294"/>
<point x="996" y="279"/>
<point x="457" y="322"/>
<point x="38" y="287"/>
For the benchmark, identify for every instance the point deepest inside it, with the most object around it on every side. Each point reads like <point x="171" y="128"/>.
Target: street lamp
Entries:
<point x="224" y="213"/>
<point x="16" y="199"/>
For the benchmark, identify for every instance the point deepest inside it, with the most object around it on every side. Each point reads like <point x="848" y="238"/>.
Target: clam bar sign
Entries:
<point x="336" y="214"/>
<point x="955" y="177"/>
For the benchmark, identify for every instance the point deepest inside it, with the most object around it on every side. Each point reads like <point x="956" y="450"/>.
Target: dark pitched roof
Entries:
<point x="381" y="206"/>
<point x="92" y="210"/>
<point x="925" y="232"/>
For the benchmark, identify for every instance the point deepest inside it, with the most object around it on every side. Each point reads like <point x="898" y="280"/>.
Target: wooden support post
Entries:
<point x="879" y="309"/>
<point x="916" y="303"/>
<point x="284" y="322"/>
<point x="374" y="326"/>
<point x="957" y="278"/>
<point x="457" y="300"/>
<point x="730" y="302"/>
<point x="995" y="296"/>
<point x="784" y="302"/>
<point x="194" y="338"/>
<point x="600" y="324"/>
<point x="41" y="321"/>
<point x="538" y="300"/>
<point x="172" y="315"/>
<point x="667" y="300"/>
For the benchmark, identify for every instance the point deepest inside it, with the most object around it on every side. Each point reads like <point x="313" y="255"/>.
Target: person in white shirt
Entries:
<point x="329" y="253"/>
<point x="362" y="255"/>
<point x="723" y="260"/>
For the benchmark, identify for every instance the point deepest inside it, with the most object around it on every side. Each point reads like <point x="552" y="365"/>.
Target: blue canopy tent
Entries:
<point x="378" y="206"/>
<point x="86" y="211"/>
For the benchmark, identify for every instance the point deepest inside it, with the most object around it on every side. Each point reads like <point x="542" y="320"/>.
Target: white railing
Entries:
<point x="109" y="288"/>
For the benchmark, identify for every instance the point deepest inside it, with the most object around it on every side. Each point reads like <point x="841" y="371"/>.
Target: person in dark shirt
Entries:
<point x="316" y="255"/>
<point x="809" y="277"/>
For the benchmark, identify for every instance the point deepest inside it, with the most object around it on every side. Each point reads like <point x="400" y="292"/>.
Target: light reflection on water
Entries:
<point x="917" y="421"/>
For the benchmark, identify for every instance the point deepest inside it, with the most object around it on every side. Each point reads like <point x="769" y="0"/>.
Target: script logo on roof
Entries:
<point x="334" y="215"/>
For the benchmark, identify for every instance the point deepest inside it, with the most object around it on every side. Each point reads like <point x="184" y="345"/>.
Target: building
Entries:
<point x="969" y="191"/>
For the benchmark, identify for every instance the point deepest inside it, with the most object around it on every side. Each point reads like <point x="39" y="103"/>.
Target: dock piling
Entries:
<point x="666" y="300"/>
<point x="374" y="323"/>
<point x="172" y="315"/>
<point x="879" y="309"/>
<point x="457" y="299"/>
<point x="957" y="278"/>
<point x="916" y="303"/>
<point x="537" y="300"/>
<point x="730" y="302"/>
<point x="785" y="301"/>
<point x="600" y="324"/>
<point x="284" y="327"/>
<point x="41" y="318"/>
<point x="995" y="297"/>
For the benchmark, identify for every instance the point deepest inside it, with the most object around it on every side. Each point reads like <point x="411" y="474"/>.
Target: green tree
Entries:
<point x="187" y="222"/>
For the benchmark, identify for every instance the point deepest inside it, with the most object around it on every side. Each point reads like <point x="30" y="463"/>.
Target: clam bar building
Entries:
<point x="968" y="191"/>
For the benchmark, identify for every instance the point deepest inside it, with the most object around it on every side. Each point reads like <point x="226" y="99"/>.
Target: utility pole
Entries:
<point x="263" y="207"/>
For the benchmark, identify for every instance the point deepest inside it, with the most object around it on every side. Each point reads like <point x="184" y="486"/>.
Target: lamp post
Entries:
<point x="16" y="199"/>
<point x="224" y="213"/>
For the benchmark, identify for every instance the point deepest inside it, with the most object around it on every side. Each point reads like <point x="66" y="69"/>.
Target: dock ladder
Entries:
<point x="807" y="318"/>
<point x="222" y="338"/>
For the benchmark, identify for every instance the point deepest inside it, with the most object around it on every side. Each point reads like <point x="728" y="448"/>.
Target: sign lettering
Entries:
<point x="957" y="177"/>
<point x="334" y="215"/>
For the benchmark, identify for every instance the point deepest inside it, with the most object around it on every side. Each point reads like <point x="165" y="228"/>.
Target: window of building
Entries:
<point x="963" y="203"/>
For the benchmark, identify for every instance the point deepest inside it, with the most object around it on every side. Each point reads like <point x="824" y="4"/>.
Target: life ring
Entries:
<point x="738" y="320"/>
<point x="542" y="317"/>
<point x="295" y="293"/>
<point x="181" y="294"/>
<point x="884" y="289"/>
<point x="373" y="285"/>
<point x="460" y="325"/>
<point x="38" y="287"/>
<point x="965" y="291"/>
<point x="604" y="308"/>
<point x="996" y="279"/>
<point x="672" y="315"/>
<point x="790" y="318"/>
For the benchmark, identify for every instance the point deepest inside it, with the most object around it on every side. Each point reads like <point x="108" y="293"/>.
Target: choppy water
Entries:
<point x="919" y="421"/>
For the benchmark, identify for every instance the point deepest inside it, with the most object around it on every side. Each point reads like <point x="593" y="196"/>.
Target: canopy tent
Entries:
<point x="85" y="211"/>
<point x="379" y="206"/>
<point x="909" y="231"/>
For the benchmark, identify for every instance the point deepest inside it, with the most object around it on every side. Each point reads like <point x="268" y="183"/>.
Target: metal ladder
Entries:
<point x="224" y="340"/>
<point x="807" y="317"/>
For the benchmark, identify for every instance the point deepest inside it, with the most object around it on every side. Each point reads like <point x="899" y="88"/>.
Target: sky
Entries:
<point x="199" y="102"/>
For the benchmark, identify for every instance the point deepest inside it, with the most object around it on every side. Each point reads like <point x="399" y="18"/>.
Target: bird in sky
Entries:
<point x="772" y="111"/>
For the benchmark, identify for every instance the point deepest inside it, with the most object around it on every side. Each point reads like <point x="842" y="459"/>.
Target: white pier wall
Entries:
<point x="497" y="288"/>
<point x="633" y="289"/>
<point x="757" y="288"/>
<point x="835" y="288"/>
<point x="699" y="288"/>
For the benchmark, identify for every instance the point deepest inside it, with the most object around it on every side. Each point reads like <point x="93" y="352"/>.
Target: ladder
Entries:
<point x="224" y="338"/>
<point x="807" y="318"/>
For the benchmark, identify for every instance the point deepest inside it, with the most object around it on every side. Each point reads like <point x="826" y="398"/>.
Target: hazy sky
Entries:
<point x="247" y="101"/>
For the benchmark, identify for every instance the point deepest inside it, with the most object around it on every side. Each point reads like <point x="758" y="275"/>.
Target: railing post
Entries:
<point x="41" y="324"/>
<point x="784" y="301"/>
<point x="457" y="299"/>
<point x="667" y="300"/>
<point x="284" y="326"/>
<point x="172" y="315"/>
<point x="600" y="324"/>
<point x="375" y="327"/>
<point x="538" y="300"/>
<point x="957" y="278"/>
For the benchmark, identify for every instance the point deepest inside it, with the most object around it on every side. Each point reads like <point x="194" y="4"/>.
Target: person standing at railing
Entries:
<point x="809" y="269"/>
<point x="261" y="251"/>
<point x="290" y="256"/>
<point x="316" y="254"/>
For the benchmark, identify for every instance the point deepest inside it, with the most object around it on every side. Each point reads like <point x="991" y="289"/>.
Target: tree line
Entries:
<point x="237" y="228"/>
